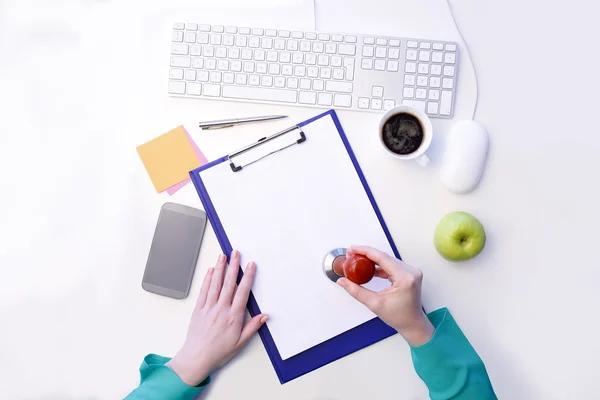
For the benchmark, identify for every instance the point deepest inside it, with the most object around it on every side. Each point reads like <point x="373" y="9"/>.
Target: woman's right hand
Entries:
<point x="399" y="306"/>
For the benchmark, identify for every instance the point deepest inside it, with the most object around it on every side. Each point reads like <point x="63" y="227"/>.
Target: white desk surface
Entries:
<point x="78" y="210"/>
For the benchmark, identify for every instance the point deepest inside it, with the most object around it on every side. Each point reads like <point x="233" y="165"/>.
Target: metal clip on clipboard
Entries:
<point x="269" y="145"/>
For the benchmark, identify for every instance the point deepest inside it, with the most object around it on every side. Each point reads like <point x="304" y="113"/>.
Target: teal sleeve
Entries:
<point x="159" y="382"/>
<point x="449" y="365"/>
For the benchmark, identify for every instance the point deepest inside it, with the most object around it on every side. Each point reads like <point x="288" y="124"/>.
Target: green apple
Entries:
<point x="459" y="236"/>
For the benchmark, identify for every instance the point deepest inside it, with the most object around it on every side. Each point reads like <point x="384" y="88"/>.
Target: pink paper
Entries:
<point x="201" y="158"/>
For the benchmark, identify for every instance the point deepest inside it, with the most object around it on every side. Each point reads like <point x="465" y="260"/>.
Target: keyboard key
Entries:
<point x="218" y="28"/>
<point x="292" y="45"/>
<point x="212" y="90"/>
<point x="324" y="36"/>
<point x="177" y="37"/>
<point x="424" y="55"/>
<point x="394" y="43"/>
<point x="419" y="105"/>
<point x="297" y="58"/>
<point x="274" y="69"/>
<point x="241" y="41"/>
<point x="202" y="38"/>
<point x="394" y="54"/>
<point x="376" y="104"/>
<point x="408" y="92"/>
<point x="284" y="33"/>
<point x="255" y="93"/>
<point x="377" y="91"/>
<point x="228" y="77"/>
<point x="292" y="83"/>
<point x="325" y="99"/>
<point x="342" y="100"/>
<point x="271" y="32"/>
<point x="261" y="68"/>
<point x="318" y="84"/>
<point x="177" y="87"/>
<point x="436" y="69"/>
<point x="231" y="29"/>
<point x="285" y="57"/>
<point x="337" y="38"/>
<point x="363" y="102"/>
<point x="221" y="52"/>
<point x="380" y="52"/>
<point x="325" y="73"/>
<point x="190" y="37"/>
<point x="190" y="75"/>
<point x="434" y="94"/>
<point x="450" y="58"/>
<point x="334" y="86"/>
<point x="330" y="48"/>
<point x="424" y="45"/>
<point x="366" y="63"/>
<point x="369" y="40"/>
<point x="336" y="61"/>
<point x="448" y="70"/>
<point x="266" y="80"/>
<point x="305" y="45"/>
<point x="247" y="54"/>
<point x="380" y="65"/>
<point x="279" y="82"/>
<point x="259" y="55"/>
<point x="180" y="49"/>
<point x="305" y="84"/>
<point x="248" y="66"/>
<point x="179" y="26"/>
<point x="409" y="79"/>
<point x="258" y="31"/>
<point x="208" y="51"/>
<point x="387" y="104"/>
<point x="392" y="66"/>
<point x="411" y="55"/>
<point x="307" y="98"/>
<point x="381" y="42"/>
<point x="176" y="73"/>
<point x="241" y="79"/>
<point x="253" y="42"/>
<point x="310" y="35"/>
<point x="202" y="76"/>
<point x="446" y="102"/>
<point x="287" y="70"/>
<point x="432" y="107"/>
<point x="297" y="35"/>
<point x="323" y="60"/>
<point x="279" y="44"/>
<point x="196" y="50"/>
<point x="313" y="72"/>
<point x="266" y="43"/>
<point x="182" y="62"/>
<point x="318" y="47"/>
<point x="438" y="46"/>
<point x="197" y="63"/>
<point x="310" y="59"/>
<point x="448" y="83"/>
<point x="194" y="89"/>
<point x="412" y="44"/>
<point x="436" y="56"/>
<point x="421" y="80"/>
<point x="434" y="81"/>
<point x="236" y="65"/>
<point x="349" y="65"/>
<point x="451" y="47"/>
<point x="350" y="39"/>
<point x="244" y="31"/>
<point x="272" y="56"/>
<point x="423" y="68"/>
<point x="421" y="93"/>
<point x="347" y="49"/>
<point x="253" y="80"/>
<point x="204" y="27"/>
<point x="300" y="70"/>
<point x="215" y="77"/>
<point x="368" y="51"/>
<point x="338" y="73"/>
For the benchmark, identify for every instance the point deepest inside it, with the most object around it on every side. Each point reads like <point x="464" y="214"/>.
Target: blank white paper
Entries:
<point x="286" y="212"/>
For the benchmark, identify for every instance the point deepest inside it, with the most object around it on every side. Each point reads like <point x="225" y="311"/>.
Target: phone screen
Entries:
<point x="174" y="251"/>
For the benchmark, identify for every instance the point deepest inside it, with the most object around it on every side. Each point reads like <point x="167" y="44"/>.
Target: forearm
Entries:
<point x="449" y="365"/>
<point x="159" y="382"/>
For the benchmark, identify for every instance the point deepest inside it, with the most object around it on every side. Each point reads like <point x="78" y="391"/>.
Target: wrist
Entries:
<point x="418" y="333"/>
<point x="191" y="372"/>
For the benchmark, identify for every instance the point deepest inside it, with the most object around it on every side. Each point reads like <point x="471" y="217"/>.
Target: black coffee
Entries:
<point x="403" y="133"/>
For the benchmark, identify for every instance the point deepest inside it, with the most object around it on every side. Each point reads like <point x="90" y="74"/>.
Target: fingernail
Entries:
<point x="251" y="265"/>
<point x="235" y="253"/>
<point x="222" y="258"/>
<point x="341" y="282"/>
<point x="264" y="319"/>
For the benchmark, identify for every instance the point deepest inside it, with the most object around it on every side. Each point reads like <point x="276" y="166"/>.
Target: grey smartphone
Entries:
<point x="174" y="251"/>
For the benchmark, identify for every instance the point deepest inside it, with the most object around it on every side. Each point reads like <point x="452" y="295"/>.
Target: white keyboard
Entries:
<point x="345" y="71"/>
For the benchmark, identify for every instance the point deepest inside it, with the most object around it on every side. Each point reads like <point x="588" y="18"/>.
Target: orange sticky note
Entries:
<point x="168" y="158"/>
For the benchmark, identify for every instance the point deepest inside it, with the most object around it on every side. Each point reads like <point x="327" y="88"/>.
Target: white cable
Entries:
<point x="470" y="58"/>
<point x="315" y="15"/>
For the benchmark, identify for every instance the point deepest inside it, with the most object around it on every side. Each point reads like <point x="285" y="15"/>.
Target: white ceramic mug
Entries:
<point x="419" y="154"/>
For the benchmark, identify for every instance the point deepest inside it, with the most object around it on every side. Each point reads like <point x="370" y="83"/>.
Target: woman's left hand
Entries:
<point x="217" y="331"/>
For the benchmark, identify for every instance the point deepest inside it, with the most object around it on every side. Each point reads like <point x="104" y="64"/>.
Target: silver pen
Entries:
<point x="226" y="123"/>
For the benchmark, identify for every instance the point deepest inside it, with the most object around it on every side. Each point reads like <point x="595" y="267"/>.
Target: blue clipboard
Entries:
<point x="335" y="348"/>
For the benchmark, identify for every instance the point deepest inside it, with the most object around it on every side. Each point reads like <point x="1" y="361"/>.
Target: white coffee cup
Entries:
<point x="419" y="154"/>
